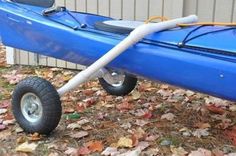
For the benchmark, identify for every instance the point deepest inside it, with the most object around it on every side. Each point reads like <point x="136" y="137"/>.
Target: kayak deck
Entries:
<point x="157" y="57"/>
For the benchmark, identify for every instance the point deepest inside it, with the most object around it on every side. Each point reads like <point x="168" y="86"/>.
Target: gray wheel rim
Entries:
<point x="31" y="107"/>
<point x="118" y="79"/>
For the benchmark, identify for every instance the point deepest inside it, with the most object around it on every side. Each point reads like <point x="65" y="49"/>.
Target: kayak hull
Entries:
<point x="206" y="72"/>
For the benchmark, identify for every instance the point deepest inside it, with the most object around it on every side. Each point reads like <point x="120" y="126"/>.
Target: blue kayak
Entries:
<point x="200" y="58"/>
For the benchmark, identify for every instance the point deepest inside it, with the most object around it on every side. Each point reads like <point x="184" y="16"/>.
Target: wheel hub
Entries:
<point x="114" y="78"/>
<point x="31" y="107"/>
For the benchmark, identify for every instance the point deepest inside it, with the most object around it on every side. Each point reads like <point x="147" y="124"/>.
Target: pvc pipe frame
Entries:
<point x="135" y="36"/>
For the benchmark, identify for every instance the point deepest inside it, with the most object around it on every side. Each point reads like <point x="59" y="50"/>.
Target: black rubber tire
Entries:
<point x="128" y="86"/>
<point x="51" y="105"/>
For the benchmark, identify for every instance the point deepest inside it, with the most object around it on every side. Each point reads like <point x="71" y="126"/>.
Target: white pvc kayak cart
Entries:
<point x="36" y="103"/>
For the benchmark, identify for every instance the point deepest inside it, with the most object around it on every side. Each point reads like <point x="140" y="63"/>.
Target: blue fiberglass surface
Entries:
<point x="197" y="70"/>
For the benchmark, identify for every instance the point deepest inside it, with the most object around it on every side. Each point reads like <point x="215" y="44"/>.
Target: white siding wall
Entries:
<point x="207" y="10"/>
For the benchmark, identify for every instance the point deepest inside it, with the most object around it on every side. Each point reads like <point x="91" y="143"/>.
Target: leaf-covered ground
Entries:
<point x="155" y="119"/>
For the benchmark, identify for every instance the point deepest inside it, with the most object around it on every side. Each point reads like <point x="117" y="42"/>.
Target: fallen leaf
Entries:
<point x="147" y="115"/>
<point x="35" y="137"/>
<point x="180" y="151"/>
<point x="217" y="152"/>
<point x="165" y="93"/>
<point x="5" y="104"/>
<point x="151" y="137"/>
<point x="83" y="121"/>
<point x="216" y="110"/>
<point x="84" y="151"/>
<point x="232" y="108"/>
<point x="74" y="126"/>
<point x="201" y="152"/>
<point x="26" y="147"/>
<point x="2" y="127"/>
<point x="110" y="151"/>
<point x="135" y="152"/>
<point x="71" y="151"/>
<point x="168" y="116"/>
<point x="126" y="125"/>
<point x="189" y="93"/>
<point x="21" y="139"/>
<point x="88" y="92"/>
<point x="95" y="146"/>
<point x="9" y="122"/>
<point x="80" y="107"/>
<point x="201" y="125"/>
<point x="231" y="134"/>
<point x="125" y="106"/>
<point x="19" y="130"/>
<point x="5" y="134"/>
<point x="53" y="154"/>
<point x="79" y="135"/>
<point x="142" y="145"/>
<point x="141" y="122"/>
<point x="3" y="111"/>
<point x="151" y="152"/>
<point x="201" y="133"/>
<point x="136" y="95"/>
<point x="69" y="110"/>
<point x="125" y="142"/>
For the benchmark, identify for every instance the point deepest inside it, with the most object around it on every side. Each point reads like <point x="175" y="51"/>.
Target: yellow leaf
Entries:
<point x="26" y="147"/>
<point x="125" y="142"/>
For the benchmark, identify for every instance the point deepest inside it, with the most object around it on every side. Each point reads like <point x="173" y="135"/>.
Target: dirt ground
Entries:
<point x="155" y="119"/>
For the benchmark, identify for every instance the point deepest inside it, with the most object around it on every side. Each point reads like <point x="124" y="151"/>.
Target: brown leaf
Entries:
<point x="88" y="92"/>
<point x="69" y="110"/>
<point x="95" y="146"/>
<point x="231" y="134"/>
<point x="180" y="151"/>
<point x="201" y="152"/>
<point x="5" y="104"/>
<point x="2" y="127"/>
<point x="79" y="135"/>
<point x="216" y="110"/>
<point x="201" y="125"/>
<point x="80" y="107"/>
<point x="217" y="152"/>
<point x="147" y="115"/>
<point x="84" y="151"/>
<point x="35" y="137"/>
<point x="125" y="106"/>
